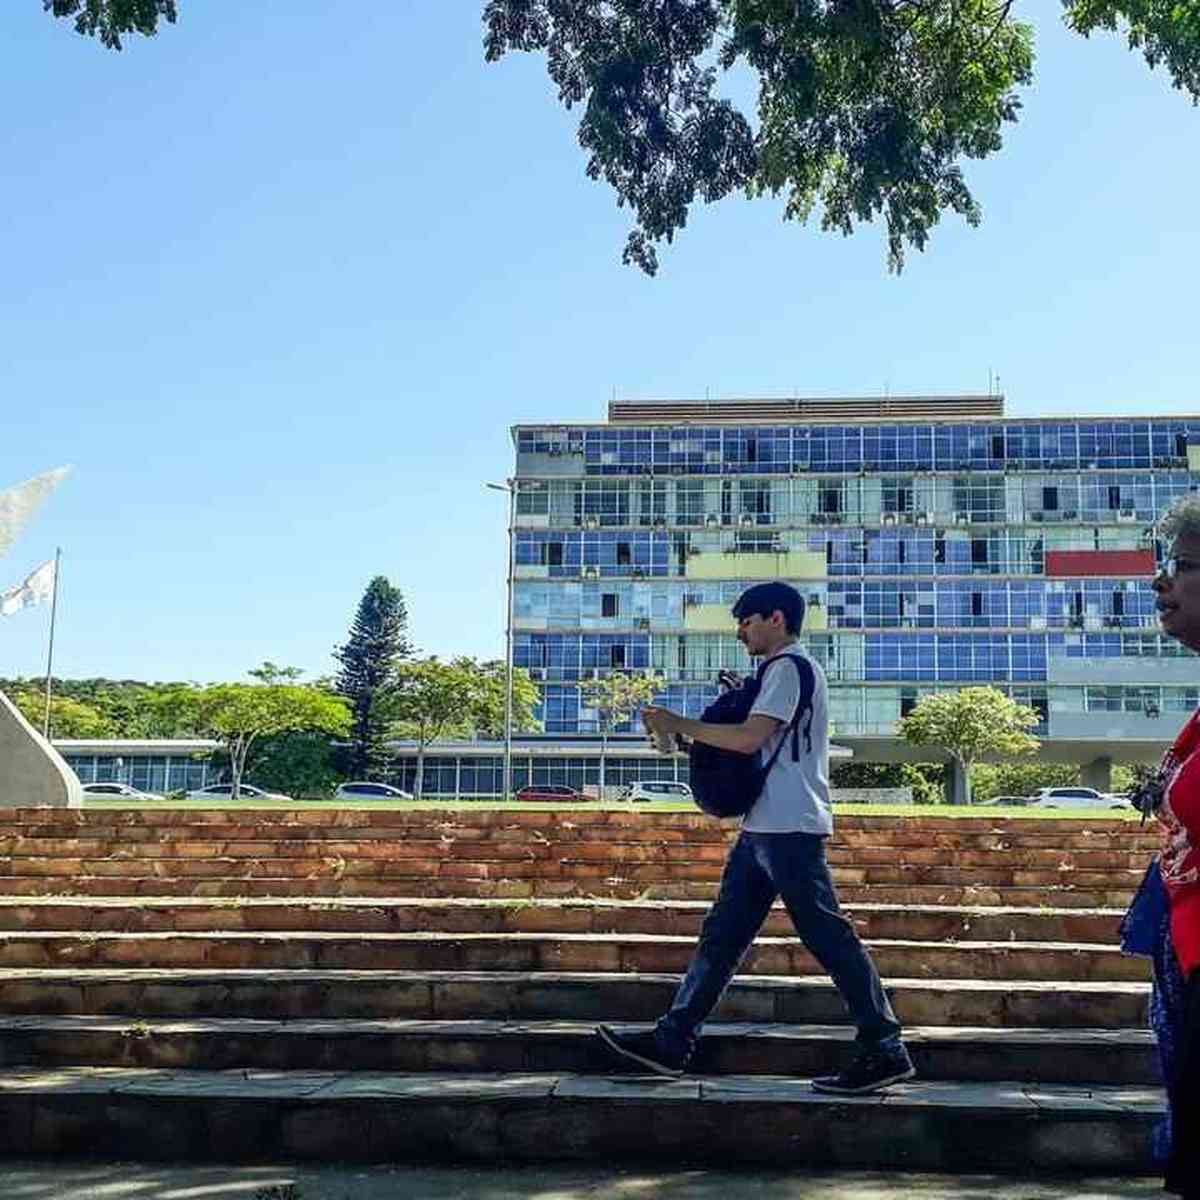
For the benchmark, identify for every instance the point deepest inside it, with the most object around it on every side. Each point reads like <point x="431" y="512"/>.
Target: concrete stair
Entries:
<point x="385" y="985"/>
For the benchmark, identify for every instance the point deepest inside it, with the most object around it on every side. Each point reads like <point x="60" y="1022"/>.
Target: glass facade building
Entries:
<point x="937" y="542"/>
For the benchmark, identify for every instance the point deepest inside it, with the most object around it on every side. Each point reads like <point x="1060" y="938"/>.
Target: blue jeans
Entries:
<point x="760" y="868"/>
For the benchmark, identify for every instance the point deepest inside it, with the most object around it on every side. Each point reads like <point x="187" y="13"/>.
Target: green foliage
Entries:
<point x="431" y="699"/>
<point x="68" y="718"/>
<point x="989" y="780"/>
<point x="487" y="709"/>
<point x="616" y="697"/>
<point x="239" y="714"/>
<point x="109" y="19"/>
<point x="427" y="700"/>
<point x="369" y="660"/>
<point x="301" y="764"/>
<point x="1165" y="31"/>
<point x="925" y="779"/>
<point x="970" y="724"/>
<point x="865" y="108"/>
<point x="129" y="708"/>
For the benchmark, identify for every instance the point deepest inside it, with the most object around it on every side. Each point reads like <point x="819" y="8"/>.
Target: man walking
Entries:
<point x="779" y="853"/>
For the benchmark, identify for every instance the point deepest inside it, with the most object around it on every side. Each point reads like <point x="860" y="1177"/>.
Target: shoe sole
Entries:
<point x="866" y="1089"/>
<point x="609" y="1039"/>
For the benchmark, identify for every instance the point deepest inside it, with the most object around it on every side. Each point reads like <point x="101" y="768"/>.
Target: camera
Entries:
<point x="1147" y="796"/>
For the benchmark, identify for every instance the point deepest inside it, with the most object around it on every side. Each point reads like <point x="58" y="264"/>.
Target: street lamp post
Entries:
<point x="509" y="486"/>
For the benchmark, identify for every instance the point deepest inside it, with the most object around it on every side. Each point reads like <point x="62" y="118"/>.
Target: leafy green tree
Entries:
<point x="616" y="697"/>
<point x="377" y="645"/>
<point x="431" y="699"/>
<point x="300" y="763"/>
<point x="487" y="715"/>
<point x="240" y="714"/>
<point x="865" y="108"/>
<point x="68" y="718"/>
<point x="970" y="724"/>
<point x="109" y="19"/>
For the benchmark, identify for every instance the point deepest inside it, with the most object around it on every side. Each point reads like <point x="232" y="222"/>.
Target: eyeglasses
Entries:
<point x="1170" y="567"/>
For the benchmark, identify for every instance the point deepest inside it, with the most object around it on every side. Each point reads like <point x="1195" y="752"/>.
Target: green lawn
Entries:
<point x="871" y="810"/>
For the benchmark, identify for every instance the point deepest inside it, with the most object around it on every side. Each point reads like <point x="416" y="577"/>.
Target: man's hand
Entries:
<point x="660" y="720"/>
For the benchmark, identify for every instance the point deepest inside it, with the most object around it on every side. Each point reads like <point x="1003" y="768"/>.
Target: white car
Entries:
<point x="656" y="790"/>
<point x="109" y="788"/>
<point x="1074" y="797"/>
<point x="223" y="791"/>
<point x="367" y="790"/>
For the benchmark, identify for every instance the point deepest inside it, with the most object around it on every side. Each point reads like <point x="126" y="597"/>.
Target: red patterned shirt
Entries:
<point x="1179" y="816"/>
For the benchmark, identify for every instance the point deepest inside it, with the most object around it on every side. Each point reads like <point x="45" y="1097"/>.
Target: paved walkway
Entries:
<point x="57" y="1180"/>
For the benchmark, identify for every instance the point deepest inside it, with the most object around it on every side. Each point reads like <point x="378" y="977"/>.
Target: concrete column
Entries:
<point x="32" y="773"/>
<point x="1097" y="774"/>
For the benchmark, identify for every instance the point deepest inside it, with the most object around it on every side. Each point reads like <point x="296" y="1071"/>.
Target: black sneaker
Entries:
<point x="641" y="1050"/>
<point x="871" y="1071"/>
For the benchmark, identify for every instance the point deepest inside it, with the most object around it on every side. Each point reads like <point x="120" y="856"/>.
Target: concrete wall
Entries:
<point x="32" y="773"/>
<point x="1119" y="727"/>
<point x="1106" y="672"/>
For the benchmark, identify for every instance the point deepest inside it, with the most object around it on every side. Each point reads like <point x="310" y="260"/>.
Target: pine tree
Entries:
<point x="378" y="643"/>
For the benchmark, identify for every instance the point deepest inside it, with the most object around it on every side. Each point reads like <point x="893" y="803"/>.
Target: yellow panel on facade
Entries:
<point x="791" y="564"/>
<point x="716" y="618"/>
<point x="709" y="618"/>
<point x="1193" y="458"/>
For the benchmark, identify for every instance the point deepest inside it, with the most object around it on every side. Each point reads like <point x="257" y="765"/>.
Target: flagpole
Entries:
<point x="50" y="651"/>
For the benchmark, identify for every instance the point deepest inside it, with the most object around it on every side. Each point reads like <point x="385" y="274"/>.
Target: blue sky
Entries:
<point x="278" y="287"/>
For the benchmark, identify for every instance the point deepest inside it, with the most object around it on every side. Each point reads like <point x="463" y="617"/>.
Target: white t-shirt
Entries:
<point x="795" y="797"/>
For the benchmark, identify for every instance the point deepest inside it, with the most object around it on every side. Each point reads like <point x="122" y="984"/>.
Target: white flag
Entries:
<point x="38" y="587"/>
<point x="18" y="504"/>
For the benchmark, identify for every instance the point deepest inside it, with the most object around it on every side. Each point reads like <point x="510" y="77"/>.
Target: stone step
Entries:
<point x="942" y="1054"/>
<point x="26" y="855"/>
<point x="398" y="915"/>
<point x="1066" y="895"/>
<point x="551" y="952"/>
<point x="483" y="815"/>
<point x="242" y="1115"/>
<point x="401" y="873"/>
<point x="552" y="995"/>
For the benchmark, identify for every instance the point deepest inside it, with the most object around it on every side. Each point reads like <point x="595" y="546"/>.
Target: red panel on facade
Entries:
<point x="1113" y="564"/>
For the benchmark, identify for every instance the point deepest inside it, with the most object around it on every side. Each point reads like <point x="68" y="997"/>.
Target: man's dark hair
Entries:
<point x="764" y="599"/>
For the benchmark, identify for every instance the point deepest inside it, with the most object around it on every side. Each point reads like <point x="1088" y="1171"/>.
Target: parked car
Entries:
<point x="1073" y="797"/>
<point x="549" y="792"/>
<point x="654" y="789"/>
<point x="1005" y="802"/>
<point x="367" y="790"/>
<point x="109" y="788"/>
<point x="223" y="791"/>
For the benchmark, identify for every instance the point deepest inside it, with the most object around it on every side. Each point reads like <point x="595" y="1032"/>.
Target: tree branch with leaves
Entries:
<point x="617" y="698"/>
<point x="865" y="110"/>
<point x="971" y="724"/>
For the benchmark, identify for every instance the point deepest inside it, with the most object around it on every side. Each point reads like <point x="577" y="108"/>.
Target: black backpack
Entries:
<point x="726" y="783"/>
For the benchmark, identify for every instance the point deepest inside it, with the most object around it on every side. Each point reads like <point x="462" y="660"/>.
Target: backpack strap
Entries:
<point x="808" y="683"/>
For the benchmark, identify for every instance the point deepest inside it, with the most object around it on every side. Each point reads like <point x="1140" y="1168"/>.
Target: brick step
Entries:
<point x="403" y="915"/>
<point x="18" y="855"/>
<point x="566" y="824"/>
<point x="214" y="1044"/>
<point x="550" y="952"/>
<point x="556" y="995"/>
<point x="583" y="873"/>
<point x="376" y="1116"/>
<point x="152" y="886"/>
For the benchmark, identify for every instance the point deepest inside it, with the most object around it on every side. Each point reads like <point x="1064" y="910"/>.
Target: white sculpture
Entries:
<point x="32" y="773"/>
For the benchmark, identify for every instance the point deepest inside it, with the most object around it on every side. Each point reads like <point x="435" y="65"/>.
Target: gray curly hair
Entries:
<point x="1182" y="519"/>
